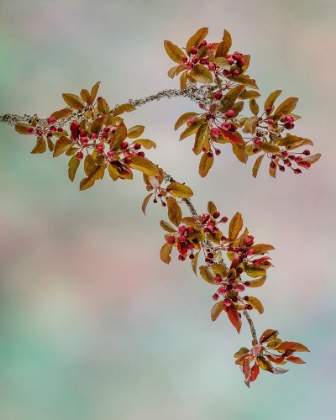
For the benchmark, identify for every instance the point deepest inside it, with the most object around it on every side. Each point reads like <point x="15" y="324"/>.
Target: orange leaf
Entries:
<point x="73" y="101"/>
<point x="295" y="360"/>
<point x="174" y="211"/>
<point x="216" y="310"/>
<point x="165" y="253"/>
<point x="291" y="345"/>
<point x="145" y="202"/>
<point x="268" y="335"/>
<point x="234" y="317"/>
<point x="235" y="227"/>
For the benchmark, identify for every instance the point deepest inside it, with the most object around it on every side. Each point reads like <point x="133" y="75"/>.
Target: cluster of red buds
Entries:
<point x="183" y="240"/>
<point x="48" y="129"/>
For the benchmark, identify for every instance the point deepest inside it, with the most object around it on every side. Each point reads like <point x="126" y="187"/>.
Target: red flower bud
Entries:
<point x="218" y="95"/>
<point x="212" y="66"/>
<point x="193" y="50"/>
<point x="171" y="240"/>
<point x="215" y="132"/>
<point x="216" y="214"/>
<point x="237" y="55"/>
<point x="128" y="160"/>
<point x="79" y="155"/>
<point x="230" y="113"/>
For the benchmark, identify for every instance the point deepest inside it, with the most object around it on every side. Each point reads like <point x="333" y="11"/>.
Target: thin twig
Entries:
<point x="253" y="331"/>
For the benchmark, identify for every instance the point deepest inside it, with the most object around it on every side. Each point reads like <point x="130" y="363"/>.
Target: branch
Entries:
<point x="253" y="331"/>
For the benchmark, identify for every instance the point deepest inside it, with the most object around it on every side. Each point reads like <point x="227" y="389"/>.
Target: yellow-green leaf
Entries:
<point x="118" y="137"/>
<point x="262" y="248"/>
<point x="184" y="118"/>
<point x="196" y="39"/>
<point x="135" y="132"/>
<point x="216" y="310"/>
<point x="144" y="165"/>
<point x="40" y="147"/>
<point x="253" y="271"/>
<point x="167" y="227"/>
<point x="240" y="151"/>
<point x="206" y="274"/>
<point x="194" y="262"/>
<point x="254" y="107"/>
<point x="269" y="103"/>
<point x="73" y="101"/>
<point x="123" y="108"/>
<point x="285" y="108"/>
<point x="113" y="172"/>
<point x="174" y="211"/>
<point x="205" y="165"/>
<point x="173" y="51"/>
<point x="249" y="94"/>
<point x="224" y="46"/>
<point x="85" y="95"/>
<point x="269" y="148"/>
<point x="183" y="80"/>
<point x="256" y="166"/>
<point x="51" y="145"/>
<point x="97" y="125"/>
<point x="201" y="138"/>
<point x="244" y="80"/>
<point x="273" y="344"/>
<point x="312" y="158"/>
<point x="236" y="225"/>
<point x="73" y="165"/>
<point x="146" y="144"/>
<point x="145" y="202"/>
<point x="179" y="190"/>
<point x="201" y="74"/>
<point x="21" y="128"/>
<point x="62" y="113"/>
<point x="86" y="183"/>
<point x="89" y="164"/>
<point x="191" y="129"/>
<point x="61" y="146"/>
<point x="165" y="252"/>
<point x="221" y="62"/>
<point x="256" y="283"/>
<point x="94" y="91"/>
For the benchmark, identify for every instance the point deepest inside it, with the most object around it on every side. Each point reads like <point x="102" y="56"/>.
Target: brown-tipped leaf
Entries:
<point x="201" y="74"/>
<point x="174" y="211"/>
<point x="196" y="39"/>
<point x="216" y="310"/>
<point x="179" y="190"/>
<point x="145" y="202"/>
<point x="40" y="147"/>
<point x="173" y="51"/>
<point x="205" y="164"/>
<point x="73" y="165"/>
<point x="236" y="225"/>
<point x="256" y="165"/>
<point x="184" y="118"/>
<point x="73" y="101"/>
<point x="165" y="252"/>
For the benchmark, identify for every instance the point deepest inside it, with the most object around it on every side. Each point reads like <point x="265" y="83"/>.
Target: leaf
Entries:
<point x="250" y="124"/>
<point x="40" y="147"/>
<point x="262" y="248"/>
<point x="268" y="335"/>
<point x="230" y="98"/>
<point x="191" y="129"/>
<point x="144" y="165"/>
<point x="257" y="282"/>
<point x="97" y="125"/>
<point x="135" y="132"/>
<point x="256" y="165"/>
<point x="222" y="62"/>
<point x="123" y="108"/>
<point x="312" y="158"/>
<point x="173" y="51"/>
<point x="146" y="144"/>
<point x="253" y="271"/>
<point x="73" y="101"/>
<point x="118" y="137"/>
<point x="255" y="302"/>
<point x="278" y="370"/>
<point x="273" y="344"/>
<point x="296" y="360"/>
<point x="292" y="142"/>
<point x="201" y="74"/>
<point x="183" y="80"/>
<point x="184" y="118"/>
<point x="62" y="113"/>
<point x="233" y="138"/>
<point x="21" y="128"/>
<point x="241" y="352"/>
<point x="249" y="94"/>
<point x="236" y="224"/>
<point x="194" y="262"/>
<point x="86" y="183"/>
<point x="165" y="252"/>
<point x="179" y="190"/>
<point x="85" y="95"/>
<point x="196" y="39"/>
<point x="219" y="269"/>
<point x="145" y="202"/>
<point x="273" y="171"/>
<point x="211" y="207"/>
<point x="174" y="211"/>
<point x="240" y="151"/>
<point x="103" y="106"/>
<point x="167" y="227"/>
<point x="271" y="99"/>
<point x="216" y="310"/>
<point x="201" y="138"/>
<point x="234" y="317"/>
<point x="225" y="45"/>
<point x="94" y="91"/>
<point x="254" y="107"/>
<point x="113" y="172"/>
<point x="285" y="108"/>
<point x="270" y="148"/>
<point x="89" y="164"/>
<point x="205" y="164"/>
<point x="206" y="274"/>
<point x="51" y="145"/>
<point x="254" y="372"/>
<point x="291" y="345"/>
<point x="264" y="363"/>
<point x="73" y="165"/>
<point x="62" y="145"/>
<point x="243" y="80"/>
<point x="172" y="72"/>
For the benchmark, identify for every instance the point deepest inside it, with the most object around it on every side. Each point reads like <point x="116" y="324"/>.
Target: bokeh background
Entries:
<point x="92" y="324"/>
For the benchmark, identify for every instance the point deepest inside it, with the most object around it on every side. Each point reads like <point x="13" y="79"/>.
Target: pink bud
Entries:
<point x="270" y="122"/>
<point x="137" y="146"/>
<point x="204" y="60"/>
<point x="212" y="66"/>
<point x="193" y="50"/>
<point x="257" y="142"/>
<point x="289" y="125"/>
<point x="230" y="60"/>
<point x="215" y="132"/>
<point x="218" y="152"/>
<point x="218" y="95"/>
<point x="216" y="214"/>
<point x="237" y="55"/>
<point x="52" y="120"/>
<point x="30" y="130"/>
<point x="124" y="145"/>
<point x="215" y="296"/>
<point x="230" y="113"/>
<point x="171" y="240"/>
<point x="235" y="73"/>
<point x="226" y="126"/>
<point x="79" y="155"/>
<point x="128" y="160"/>
<point x="227" y="302"/>
<point x="184" y="59"/>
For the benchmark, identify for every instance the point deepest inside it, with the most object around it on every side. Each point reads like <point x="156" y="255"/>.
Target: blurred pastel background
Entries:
<point x="93" y="326"/>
